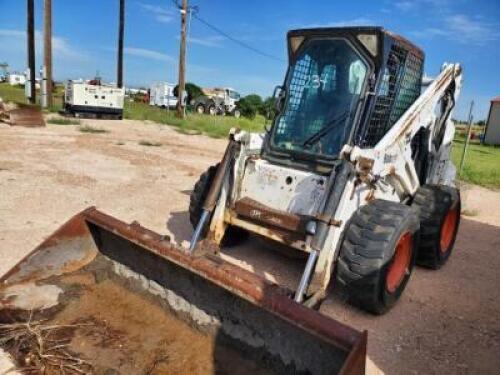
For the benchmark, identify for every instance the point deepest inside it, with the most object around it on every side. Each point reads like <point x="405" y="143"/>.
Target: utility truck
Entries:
<point x="218" y="101"/>
<point x="93" y="99"/>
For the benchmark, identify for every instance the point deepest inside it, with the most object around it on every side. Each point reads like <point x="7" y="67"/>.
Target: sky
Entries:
<point x="85" y="38"/>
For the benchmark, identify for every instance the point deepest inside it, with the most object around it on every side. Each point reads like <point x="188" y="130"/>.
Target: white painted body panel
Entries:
<point x="83" y="94"/>
<point x="162" y="95"/>
<point x="16" y="79"/>
<point x="281" y="188"/>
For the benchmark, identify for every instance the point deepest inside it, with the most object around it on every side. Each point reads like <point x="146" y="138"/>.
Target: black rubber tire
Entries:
<point x="432" y="203"/>
<point x="368" y="250"/>
<point x="211" y="110"/>
<point x="234" y="235"/>
<point x="198" y="107"/>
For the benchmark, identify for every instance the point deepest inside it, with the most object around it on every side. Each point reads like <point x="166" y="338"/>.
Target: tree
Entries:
<point x="250" y="105"/>
<point x="193" y="91"/>
<point x="247" y="108"/>
<point x="268" y="109"/>
<point x="254" y="100"/>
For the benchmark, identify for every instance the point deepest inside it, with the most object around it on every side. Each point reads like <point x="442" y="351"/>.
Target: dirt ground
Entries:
<point x="446" y="322"/>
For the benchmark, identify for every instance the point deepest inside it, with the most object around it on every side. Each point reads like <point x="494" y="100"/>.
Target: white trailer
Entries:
<point x="162" y="95"/>
<point x="16" y="79"/>
<point x="88" y="100"/>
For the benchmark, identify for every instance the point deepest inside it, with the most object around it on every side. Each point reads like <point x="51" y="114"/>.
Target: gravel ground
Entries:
<point x="446" y="322"/>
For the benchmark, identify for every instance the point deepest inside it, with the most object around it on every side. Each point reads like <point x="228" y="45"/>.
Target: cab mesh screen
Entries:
<point x="399" y="89"/>
<point x="298" y="84"/>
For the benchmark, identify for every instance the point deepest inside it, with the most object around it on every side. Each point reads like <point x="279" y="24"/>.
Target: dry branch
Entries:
<point x="42" y="348"/>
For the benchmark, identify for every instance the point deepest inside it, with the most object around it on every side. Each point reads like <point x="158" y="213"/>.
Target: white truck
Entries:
<point x="161" y="94"/>
<point x="218" y="101"/>
<point x="93" y="99"/>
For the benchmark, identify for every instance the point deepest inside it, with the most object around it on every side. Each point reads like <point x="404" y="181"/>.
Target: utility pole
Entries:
<point x="182" y="61"/>
<point x="121" y="29"/>
<point x="31" y="51"/>
<point x="47" y="52"/>
<point x="466" y="142"/>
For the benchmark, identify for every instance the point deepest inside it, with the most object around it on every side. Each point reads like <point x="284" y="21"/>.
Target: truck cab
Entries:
<point x="218" y="101"/>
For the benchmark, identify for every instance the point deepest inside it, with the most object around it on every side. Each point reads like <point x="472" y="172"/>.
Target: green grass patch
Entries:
<point x="16" y="94"/>
<point x="149" y="143"/>
<point x="482" y="164"/>
<point x="10" y="93"/>
<point x="214" y="126"/>
<point x="91" y="129"/>
<point x="63" y="121"/>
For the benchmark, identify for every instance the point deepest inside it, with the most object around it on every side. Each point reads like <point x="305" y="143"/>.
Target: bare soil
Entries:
<point x="105" y="328"/>
<point x="446" y="322"/>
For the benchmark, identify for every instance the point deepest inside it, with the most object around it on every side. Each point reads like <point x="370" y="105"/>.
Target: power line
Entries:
<point x="239" y="42"/>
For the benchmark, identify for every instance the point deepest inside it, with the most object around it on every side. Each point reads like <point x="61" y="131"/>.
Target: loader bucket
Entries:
<point x="105" y="297"/>
<point x="26" y="116"/>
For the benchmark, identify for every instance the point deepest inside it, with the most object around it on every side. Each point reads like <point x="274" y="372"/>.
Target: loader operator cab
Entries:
<point x="343" y="86"/>
<point x="323" y="89"/>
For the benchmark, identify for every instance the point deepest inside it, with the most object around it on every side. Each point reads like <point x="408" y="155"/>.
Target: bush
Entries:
<point x="255" y="101"/>
<point x="63" y="121"/>
<point x="247" y="109"/>
<point x="193" y="91"/>
<point x="268" y="108"/>
<point x="91" y="129"/>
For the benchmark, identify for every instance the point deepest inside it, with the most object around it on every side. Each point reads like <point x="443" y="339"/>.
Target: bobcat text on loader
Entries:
<point x="355" y="169"/>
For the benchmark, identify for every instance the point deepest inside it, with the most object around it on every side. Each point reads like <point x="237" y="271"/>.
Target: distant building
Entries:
<point x="16" y="79"/>
<point x="492" y="132"/>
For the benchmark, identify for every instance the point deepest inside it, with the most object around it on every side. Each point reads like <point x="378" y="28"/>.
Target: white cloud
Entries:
<point x="61" y="49"/>
<point x="148" y="54"/>
<point x="410" y="5"/>
<point x="463" y="29"/>
<point x="161" y="14"/>
<point x="359" y="21"/>
<point x="211" y="41"/>
<point x="12" y="33"/>
<point x="405" y="5"/>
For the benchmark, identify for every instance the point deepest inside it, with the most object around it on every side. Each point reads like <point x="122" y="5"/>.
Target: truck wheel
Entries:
<point x="200" y="109"/>
<point x="233" y="235"/>
<point x="438" y="208"/>
<point x="377" y="255"/>
<point x="237" y="113"/>
<point x="212" y="111"/>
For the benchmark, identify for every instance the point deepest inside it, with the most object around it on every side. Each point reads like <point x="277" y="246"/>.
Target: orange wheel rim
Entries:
<point x="400" y="265"/>
<point x="448" y="229"/>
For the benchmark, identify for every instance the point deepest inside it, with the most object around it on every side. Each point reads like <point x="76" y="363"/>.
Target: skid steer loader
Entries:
<point x="355" y="169"/>
<point x="355" y="172"/>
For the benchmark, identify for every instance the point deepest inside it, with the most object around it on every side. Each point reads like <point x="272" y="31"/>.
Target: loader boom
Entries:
<point x="390" y="165"/>
<point x="392" y="156"/>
